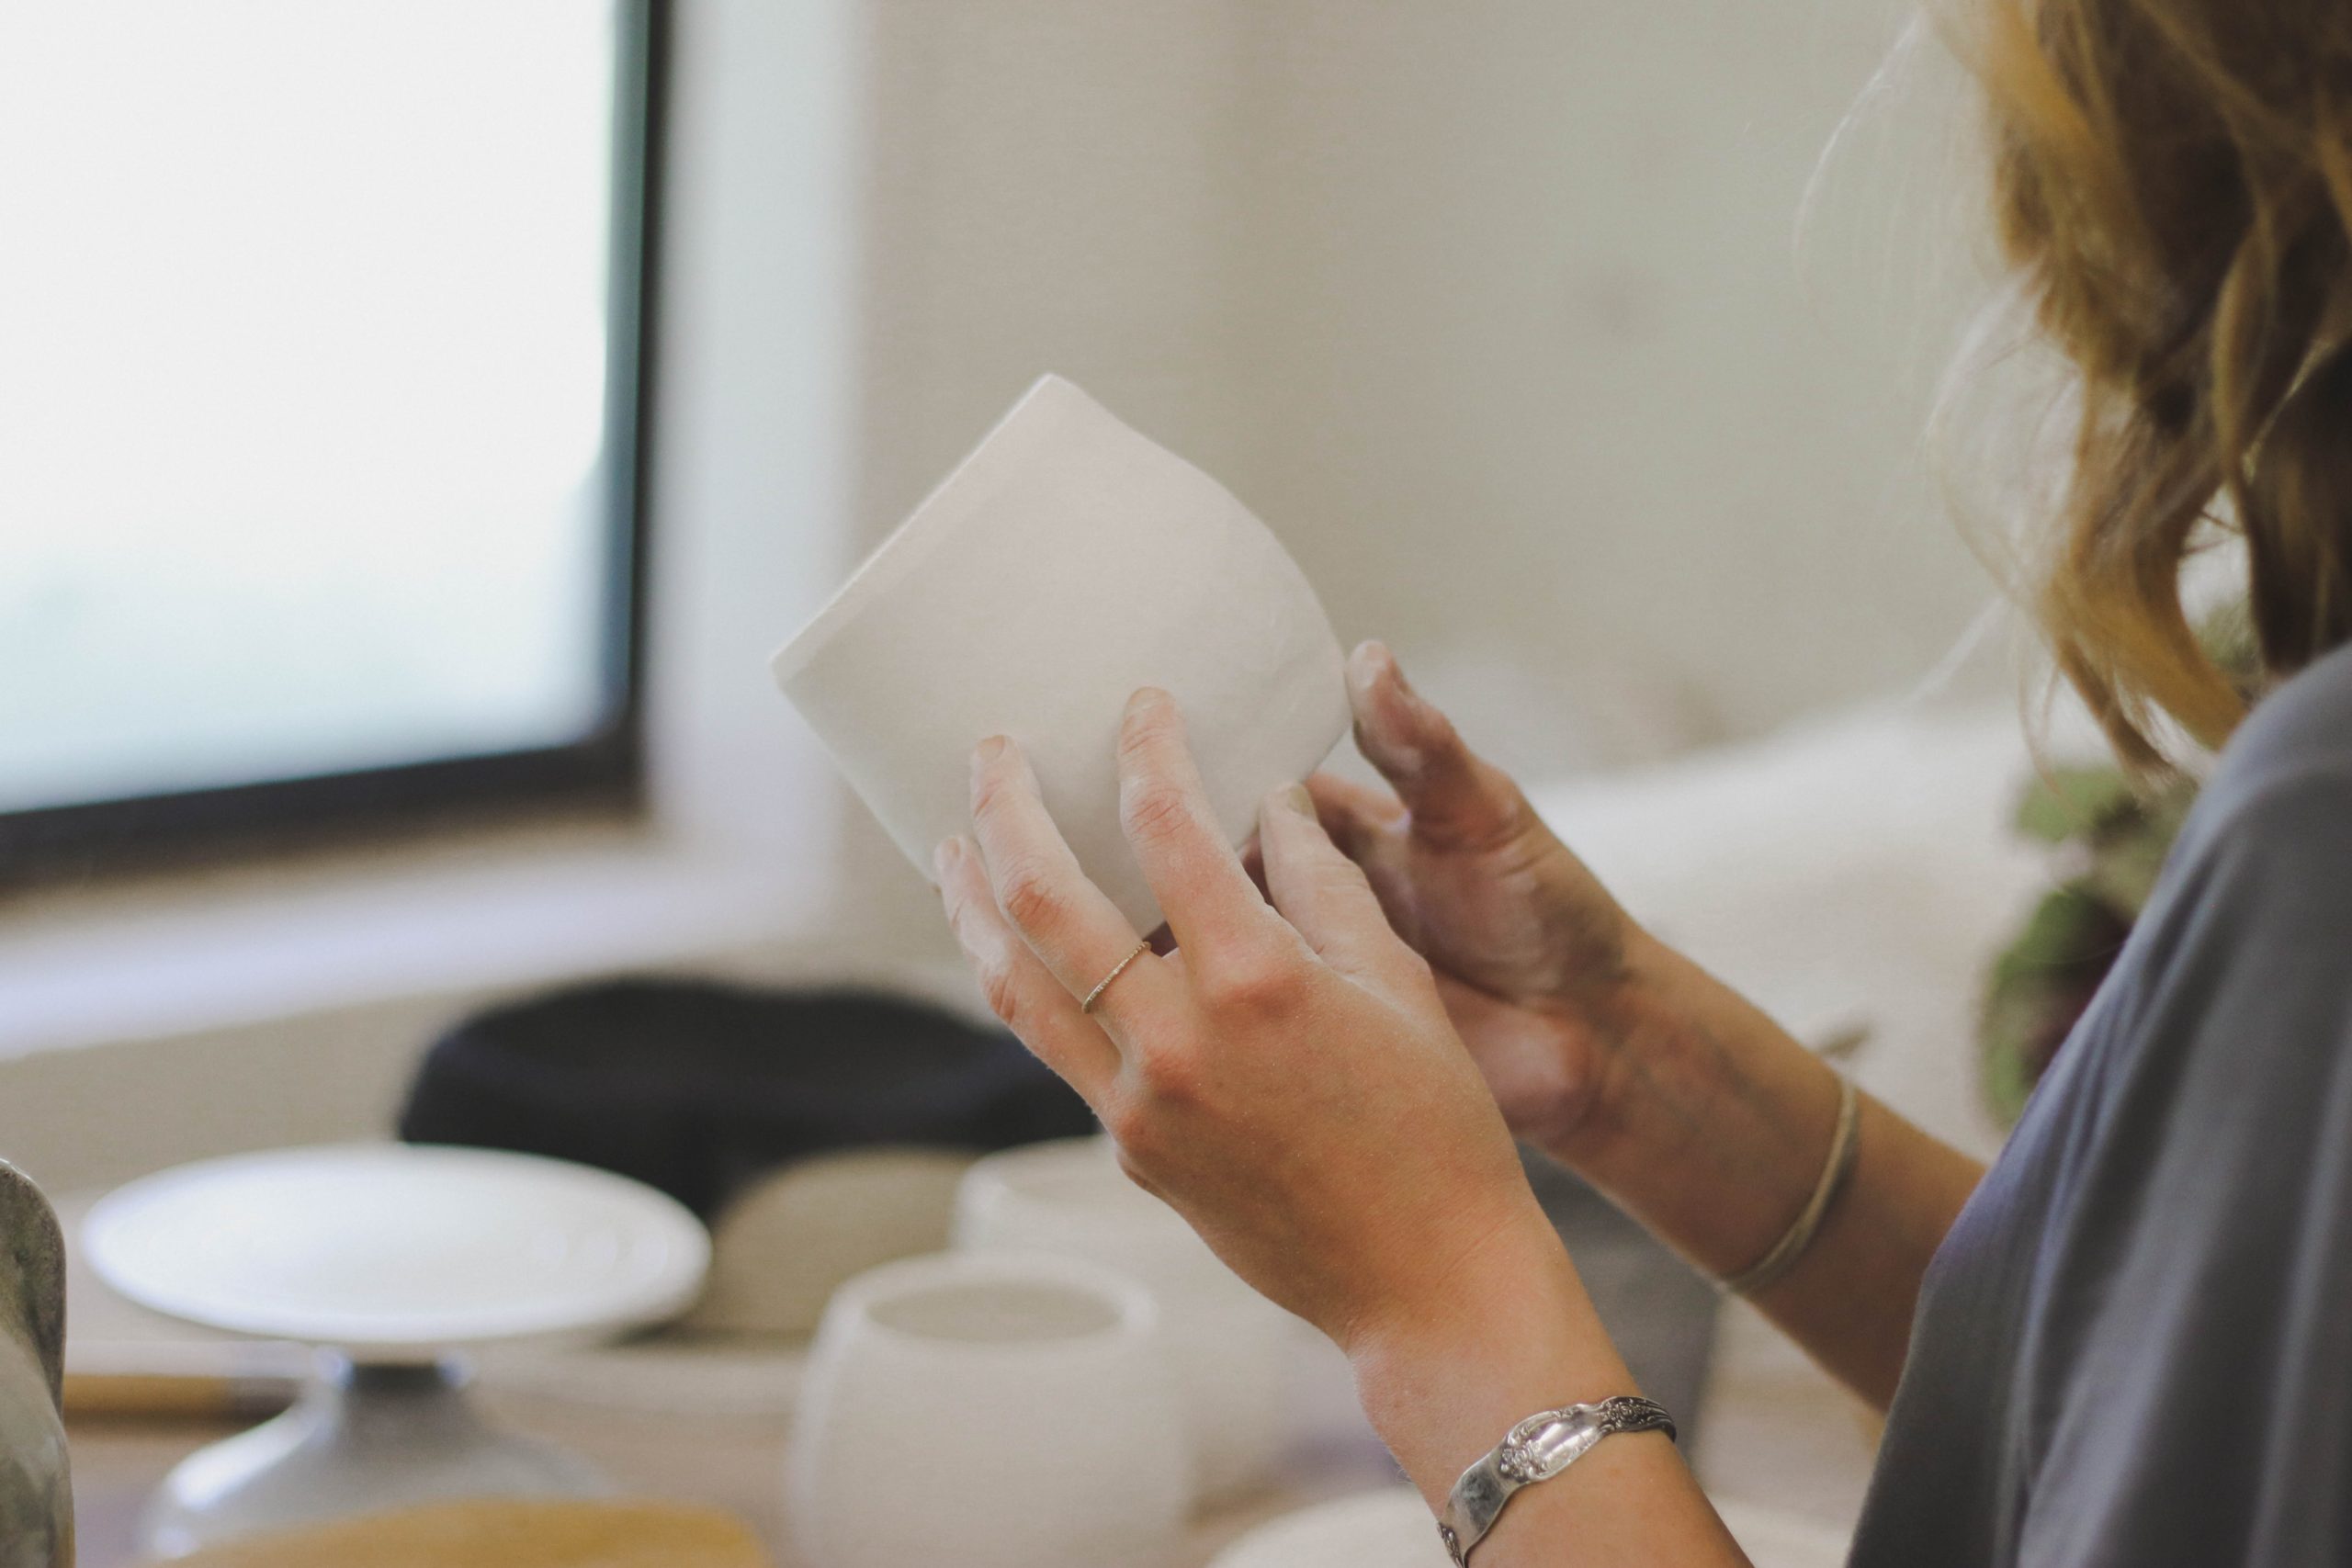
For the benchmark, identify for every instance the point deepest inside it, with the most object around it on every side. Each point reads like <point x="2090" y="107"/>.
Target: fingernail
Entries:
<point x="1373" y="661"/>
<point x="944" y="857"/>
<point x="1145" y="698"/>
<point x="984" y="756"/>
<point x="1397" y="671"/>
<point x="1292" y="798"/>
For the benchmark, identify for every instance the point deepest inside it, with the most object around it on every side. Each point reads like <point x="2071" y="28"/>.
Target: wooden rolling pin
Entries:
<point x="175" y="1396"/>
<point x="134" y="1380"/>
<point x="493" y="1534"/>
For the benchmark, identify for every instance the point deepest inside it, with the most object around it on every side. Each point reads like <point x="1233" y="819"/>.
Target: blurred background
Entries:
<point x="392" y="388"/>
<point x="418" y="423"/>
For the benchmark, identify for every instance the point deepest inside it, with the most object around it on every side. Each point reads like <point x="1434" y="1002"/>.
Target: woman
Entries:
<point x="2127" y="1344"/>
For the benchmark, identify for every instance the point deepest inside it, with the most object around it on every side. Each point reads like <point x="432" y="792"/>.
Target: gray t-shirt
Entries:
<point x="2134" y="1349"/>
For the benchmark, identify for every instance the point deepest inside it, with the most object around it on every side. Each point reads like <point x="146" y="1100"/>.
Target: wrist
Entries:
<point x="1515" y="1334"/>
<point x="1641" y="1017"/>
<point x="1707" y="1121"/>
<point x="1516" y="1256"/>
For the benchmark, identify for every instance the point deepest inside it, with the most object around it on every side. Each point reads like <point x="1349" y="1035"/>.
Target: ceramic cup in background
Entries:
<point x="784" y="1243"/>
<point x="1231" y="1348"/>
<point x="999" y="1410"/>
<point x="1065" y="562"/>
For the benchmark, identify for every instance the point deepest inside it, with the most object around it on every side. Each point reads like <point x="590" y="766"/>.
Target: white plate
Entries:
<point x="398" y="1248"/>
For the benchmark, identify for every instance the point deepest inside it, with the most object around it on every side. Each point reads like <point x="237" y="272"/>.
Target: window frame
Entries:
<point x="603" y="770"/>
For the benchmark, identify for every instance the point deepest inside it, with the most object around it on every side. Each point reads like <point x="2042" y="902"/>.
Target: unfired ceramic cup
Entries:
<point x="1065" y="562"/>
<point x="990" y="1411"/>
<point x="1231" y="1348"/>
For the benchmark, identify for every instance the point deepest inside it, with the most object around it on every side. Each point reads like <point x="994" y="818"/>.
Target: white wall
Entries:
<point x="1539" y="380"/>
<point x="1493" y="309"/>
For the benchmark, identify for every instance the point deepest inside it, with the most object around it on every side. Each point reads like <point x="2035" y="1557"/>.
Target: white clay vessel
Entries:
<point x="1065" y="562"/>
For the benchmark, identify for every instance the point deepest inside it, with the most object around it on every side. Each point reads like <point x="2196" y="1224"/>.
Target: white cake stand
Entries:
<point x="391" y="1261"/>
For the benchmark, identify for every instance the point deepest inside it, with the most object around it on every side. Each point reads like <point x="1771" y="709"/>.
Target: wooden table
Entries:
<point x="702" y="1430"/>
<point x="732" y="1463"/>
<point x="1781" y="1446"/>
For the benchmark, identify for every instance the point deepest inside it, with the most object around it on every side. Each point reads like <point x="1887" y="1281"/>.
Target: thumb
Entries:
<point x="1456" y="799"/>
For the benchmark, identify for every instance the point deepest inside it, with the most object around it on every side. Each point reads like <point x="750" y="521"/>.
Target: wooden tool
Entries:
<point x="498" y="1533"/>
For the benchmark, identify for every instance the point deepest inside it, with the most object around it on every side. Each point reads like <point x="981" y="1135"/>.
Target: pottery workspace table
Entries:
<point x="1780" y="1437"/>
<point x="695" y="1422"/>
<point x="732" y="1463"/>
<point x="1786" y="1452"/>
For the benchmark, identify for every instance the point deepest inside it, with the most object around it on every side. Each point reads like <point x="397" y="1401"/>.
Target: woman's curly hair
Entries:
<point x="2173" y="181"/>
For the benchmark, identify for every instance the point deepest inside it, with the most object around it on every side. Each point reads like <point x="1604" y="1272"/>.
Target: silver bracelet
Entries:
<point x="1783" y="1255"/>
<point x="1537" y="1450"/>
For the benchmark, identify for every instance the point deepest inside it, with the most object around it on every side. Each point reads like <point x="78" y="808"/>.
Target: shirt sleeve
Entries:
<point x="2189" y="1367"/>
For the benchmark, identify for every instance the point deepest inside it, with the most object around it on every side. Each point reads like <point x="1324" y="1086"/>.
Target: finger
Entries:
<point x="1200" y="883"/>
<point x="1253" y="865"/>
<point x="1358" y="817"/>
<point x="1369" y="826"/>
<point x="1457" y="801"/>
<point x="1020" y="989"/>
<point x="1070" y="924"/>
<point x="1323" y="894"/>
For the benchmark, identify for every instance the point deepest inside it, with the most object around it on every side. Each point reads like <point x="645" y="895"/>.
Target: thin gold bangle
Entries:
<point x="1785" y="1254"/>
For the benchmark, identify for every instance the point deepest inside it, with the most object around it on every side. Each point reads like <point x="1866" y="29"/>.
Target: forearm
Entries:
<point x="1712" y="1130"/>
<point x="1521" y="1337"/>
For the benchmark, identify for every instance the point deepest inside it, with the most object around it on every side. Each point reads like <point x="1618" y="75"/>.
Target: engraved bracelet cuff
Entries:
<point x="1537" y="1450"/>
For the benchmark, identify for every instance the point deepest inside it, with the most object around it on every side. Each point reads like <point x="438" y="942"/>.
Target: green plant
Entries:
<point x="2111" y="838"/>
<point x="2110" y="833"/>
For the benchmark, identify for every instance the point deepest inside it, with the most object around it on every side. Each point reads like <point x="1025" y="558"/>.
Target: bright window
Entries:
<point x="319" y="330"/>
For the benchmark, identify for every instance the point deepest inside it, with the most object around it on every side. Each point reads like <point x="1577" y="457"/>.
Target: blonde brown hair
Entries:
<point x="2173" y="180"/>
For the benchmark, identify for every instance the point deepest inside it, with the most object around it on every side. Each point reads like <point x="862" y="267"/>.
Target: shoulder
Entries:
<point x="2214" y="1074"/>
<point x="2186" y="1222"/>
<point x="2244" y="945"/>
<point x="2278" y="802"/>
<point x="2303" y="727"/>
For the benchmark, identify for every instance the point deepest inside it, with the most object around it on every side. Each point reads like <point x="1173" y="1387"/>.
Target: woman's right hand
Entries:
<point x="1533" y="956"/>
<point x="1694" y="1112"/>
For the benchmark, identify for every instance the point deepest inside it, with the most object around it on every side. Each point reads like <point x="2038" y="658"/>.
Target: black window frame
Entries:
<point x="604" y="770"/>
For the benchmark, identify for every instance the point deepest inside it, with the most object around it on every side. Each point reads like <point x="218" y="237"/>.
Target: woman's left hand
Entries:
<point x="1286" y="1077"/>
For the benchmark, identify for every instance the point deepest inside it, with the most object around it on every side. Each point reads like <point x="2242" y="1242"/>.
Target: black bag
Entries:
<point x="696" y="1088"/>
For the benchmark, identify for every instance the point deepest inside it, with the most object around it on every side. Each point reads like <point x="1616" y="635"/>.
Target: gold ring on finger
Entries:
<point x="1116" y="970"/>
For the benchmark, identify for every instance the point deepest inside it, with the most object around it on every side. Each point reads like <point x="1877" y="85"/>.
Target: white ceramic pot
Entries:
<point x="1231" y="1348"/>
<point x="782" y="1247"/>
<point x="990" y="1411"/>
<point x="1064" y="563"/>
<point x="1389" y="1529"/>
